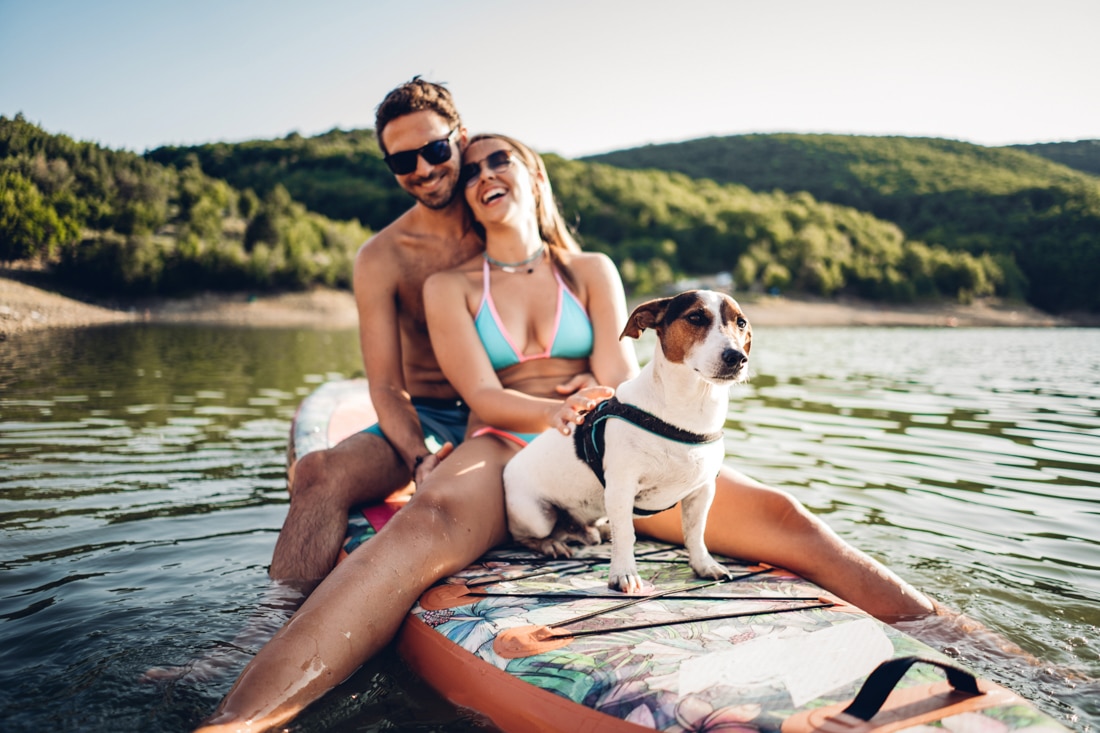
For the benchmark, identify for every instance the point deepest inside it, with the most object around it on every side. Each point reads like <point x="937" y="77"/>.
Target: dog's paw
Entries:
<point x="628" y="582"/>
<point x="708" y="567"/>
<point x="550" y="546"/>
<point x="554" y="547"/>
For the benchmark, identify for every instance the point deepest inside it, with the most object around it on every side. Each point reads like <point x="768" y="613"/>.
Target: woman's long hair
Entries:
<point x="552" y="227"/>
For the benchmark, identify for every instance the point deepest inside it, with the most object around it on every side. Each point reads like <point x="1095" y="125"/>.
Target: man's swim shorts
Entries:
<point x="443" y="420"/>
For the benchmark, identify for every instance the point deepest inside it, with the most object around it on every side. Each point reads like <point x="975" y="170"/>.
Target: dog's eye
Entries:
<point x="742" y="323"/>
<point x="698" y="318"/>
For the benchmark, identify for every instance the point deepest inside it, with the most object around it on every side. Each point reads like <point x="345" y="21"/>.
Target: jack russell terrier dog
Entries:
<point x="663" y="437"/>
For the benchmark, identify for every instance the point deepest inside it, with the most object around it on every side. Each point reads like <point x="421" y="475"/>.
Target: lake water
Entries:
<point x="142" y="474"/>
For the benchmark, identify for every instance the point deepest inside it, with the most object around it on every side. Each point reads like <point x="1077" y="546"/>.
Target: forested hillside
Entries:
<point x="1082" y="155"/>
<point x="115" y="222"/>
<point x="999" y="202"/>
<point x="262" y="214"/>
<point x="649" y="221"/>
<point x="339" y="174"/>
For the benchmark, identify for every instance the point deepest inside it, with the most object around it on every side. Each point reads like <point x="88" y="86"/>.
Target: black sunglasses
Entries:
<point x="435" y="152"/>
<point x="498" y="162"/>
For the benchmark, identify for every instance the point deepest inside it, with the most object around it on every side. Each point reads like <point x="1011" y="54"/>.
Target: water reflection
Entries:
<point x="142" y="484"/>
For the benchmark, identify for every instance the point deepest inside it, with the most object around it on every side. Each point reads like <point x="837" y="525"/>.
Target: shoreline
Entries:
<point x="26" y="307"/>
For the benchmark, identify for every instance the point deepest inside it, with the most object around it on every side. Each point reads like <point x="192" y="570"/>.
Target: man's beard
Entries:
<point x="438" y="199"/>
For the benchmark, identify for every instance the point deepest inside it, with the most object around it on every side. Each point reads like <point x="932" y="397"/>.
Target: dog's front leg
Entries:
<point x="693" y="511"/>
<point x="619" y="503"/>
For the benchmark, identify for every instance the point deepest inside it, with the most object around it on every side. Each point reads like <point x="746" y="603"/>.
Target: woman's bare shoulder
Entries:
<point x="592" y="268"/>
<point x="596" y="263"/>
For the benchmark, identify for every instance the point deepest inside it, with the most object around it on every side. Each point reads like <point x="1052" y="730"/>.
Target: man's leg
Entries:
<point x="455" y="517"/>
<point x="362" y="468"/>
<point x="754" y="522"/>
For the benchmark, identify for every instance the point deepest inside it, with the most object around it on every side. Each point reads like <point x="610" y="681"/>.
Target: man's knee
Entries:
<point x="312" y="474"/>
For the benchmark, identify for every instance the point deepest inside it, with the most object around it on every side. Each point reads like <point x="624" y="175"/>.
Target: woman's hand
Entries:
<point x="577" y="405"/>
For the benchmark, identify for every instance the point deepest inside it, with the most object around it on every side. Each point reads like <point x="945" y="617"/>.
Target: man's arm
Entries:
<point x="376" y="277"/>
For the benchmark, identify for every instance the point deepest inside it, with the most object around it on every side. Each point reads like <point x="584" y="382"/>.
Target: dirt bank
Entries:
<point x="27" y="305"/>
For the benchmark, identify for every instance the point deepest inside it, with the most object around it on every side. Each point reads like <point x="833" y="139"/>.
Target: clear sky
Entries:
<point x="567" y="76"/>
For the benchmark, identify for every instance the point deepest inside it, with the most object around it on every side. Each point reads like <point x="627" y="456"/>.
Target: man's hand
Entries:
<point x="430" y="462"/>
<point x="577" y="383"/>
<point x="577" y="405"/>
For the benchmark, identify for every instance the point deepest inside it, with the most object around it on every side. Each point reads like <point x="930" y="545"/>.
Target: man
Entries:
<point x="414" y="402"/>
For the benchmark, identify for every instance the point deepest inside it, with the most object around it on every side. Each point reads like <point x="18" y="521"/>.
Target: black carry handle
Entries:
<point x="886" y="676"/>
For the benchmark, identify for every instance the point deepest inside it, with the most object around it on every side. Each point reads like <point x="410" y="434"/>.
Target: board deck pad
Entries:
<point x="541" y="644"/>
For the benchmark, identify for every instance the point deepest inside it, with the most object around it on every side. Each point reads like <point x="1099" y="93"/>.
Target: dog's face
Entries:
<point x="702" y="329"/>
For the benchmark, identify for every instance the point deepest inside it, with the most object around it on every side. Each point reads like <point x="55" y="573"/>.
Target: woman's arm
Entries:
<point x="613" y="359"/>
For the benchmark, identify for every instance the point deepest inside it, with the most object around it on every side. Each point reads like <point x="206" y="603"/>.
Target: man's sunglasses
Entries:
<point x="497" y="162"/>
<point x="435" y="152"/>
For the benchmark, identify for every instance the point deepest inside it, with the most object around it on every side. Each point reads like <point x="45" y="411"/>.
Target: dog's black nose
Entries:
<point x="734" y="358"/>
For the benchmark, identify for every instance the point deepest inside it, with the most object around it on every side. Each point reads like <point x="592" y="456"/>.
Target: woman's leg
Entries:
<point x="455" y="517"/>
<point x="751" y="521"/>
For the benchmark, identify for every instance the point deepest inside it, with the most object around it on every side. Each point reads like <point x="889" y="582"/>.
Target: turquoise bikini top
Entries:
<point x="572" y="329"/>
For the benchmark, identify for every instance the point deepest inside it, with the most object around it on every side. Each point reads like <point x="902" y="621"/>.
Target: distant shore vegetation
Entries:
<point x="116" y="222"/>
<point x="894" y="219"/>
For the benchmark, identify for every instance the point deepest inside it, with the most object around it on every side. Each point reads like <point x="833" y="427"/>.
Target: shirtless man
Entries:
<point x="416" y="406"/>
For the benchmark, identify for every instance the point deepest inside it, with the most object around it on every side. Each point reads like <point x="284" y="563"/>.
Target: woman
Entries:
<point x="507" y="326"/>
<point x="529" y="312"/>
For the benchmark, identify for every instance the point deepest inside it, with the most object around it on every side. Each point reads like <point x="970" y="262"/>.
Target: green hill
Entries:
<point x="1001" y="202"/>
<point x="1083" y="155"/>
<point x="339" y="174"/>
<point x="771" y="240"/>
<point x="657" y="227"/>
<point x="260" y="214"/>
<point x="116" y="222"/>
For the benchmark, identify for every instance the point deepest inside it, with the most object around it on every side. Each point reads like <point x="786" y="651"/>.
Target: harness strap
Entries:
<point x="588" y="438"/>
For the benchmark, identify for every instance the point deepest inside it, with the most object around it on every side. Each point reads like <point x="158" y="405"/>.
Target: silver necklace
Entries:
<point x="514" y="266"/>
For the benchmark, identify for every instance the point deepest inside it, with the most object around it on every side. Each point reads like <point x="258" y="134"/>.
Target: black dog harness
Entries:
<point x="588" y="437"/>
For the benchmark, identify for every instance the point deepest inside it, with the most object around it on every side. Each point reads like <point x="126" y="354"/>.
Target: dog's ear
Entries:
<point x="646" y="315"/>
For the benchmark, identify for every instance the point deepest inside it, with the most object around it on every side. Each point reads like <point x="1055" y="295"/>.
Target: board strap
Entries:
<point x="881" y="708"/>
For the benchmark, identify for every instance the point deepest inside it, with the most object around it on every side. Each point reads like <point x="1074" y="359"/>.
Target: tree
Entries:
<point x="29" y="226"/>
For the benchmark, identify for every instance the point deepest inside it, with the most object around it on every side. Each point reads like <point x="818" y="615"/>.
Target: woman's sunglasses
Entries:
<point x="434" y="153"/>
<point x="497" y="162"/>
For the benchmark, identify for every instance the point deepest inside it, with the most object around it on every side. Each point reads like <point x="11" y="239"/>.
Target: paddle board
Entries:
<point x="537" y="644"/>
